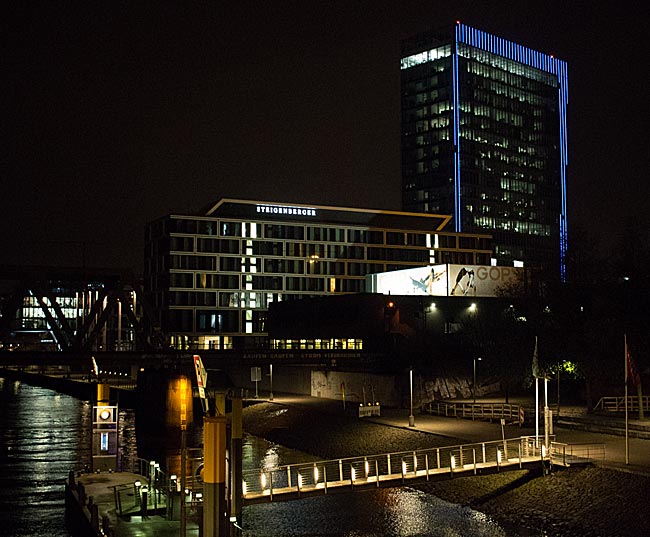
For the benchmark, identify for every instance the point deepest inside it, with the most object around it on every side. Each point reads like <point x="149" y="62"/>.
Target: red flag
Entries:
<point x="536" y="371"/>
<point x="631" y="373"/>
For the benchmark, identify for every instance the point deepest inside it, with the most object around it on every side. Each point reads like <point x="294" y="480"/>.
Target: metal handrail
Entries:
<point x="617" y="404"/>
<point x="567" y="454"/>
<point x="381" y="467"/>
<point x="155" y="478"/>
<point x="474" y="410"/>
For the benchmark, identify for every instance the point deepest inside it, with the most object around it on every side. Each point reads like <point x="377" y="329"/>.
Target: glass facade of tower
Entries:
<point x="212" y="277"/>
<point x="484" y="139"/>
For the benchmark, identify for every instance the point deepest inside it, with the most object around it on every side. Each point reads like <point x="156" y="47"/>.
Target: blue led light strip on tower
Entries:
<point x="512" y="51"/>
<point x="456" y="127"/>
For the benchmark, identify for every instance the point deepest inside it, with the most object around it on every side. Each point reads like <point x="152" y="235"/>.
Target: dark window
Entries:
<point x="357" y="236"/>
<point x="181" y="320"/>
<point x="267" y="283"/>
<point x="230" y="264"/>
<point x="279" y="231"/>
<point x="181" y="279"/>
<point x="207" y="228"/>
<point x="375" y="237"/>
<point x="268" y="248"/>
<point x="228" y="246"/>
<point x="181" y="244"/>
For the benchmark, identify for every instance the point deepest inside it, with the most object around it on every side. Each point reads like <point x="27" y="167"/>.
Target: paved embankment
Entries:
<point x="331" y="435"/>
<point x="589" y="501"/>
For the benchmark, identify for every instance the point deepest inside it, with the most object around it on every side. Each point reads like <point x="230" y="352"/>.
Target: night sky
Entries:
<point x="117" y="113"/>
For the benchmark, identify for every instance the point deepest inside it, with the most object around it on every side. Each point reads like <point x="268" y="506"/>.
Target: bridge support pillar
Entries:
<point x="103" y="394"/>
<point x="236" y="473"/>
<point x="214" y="476"/>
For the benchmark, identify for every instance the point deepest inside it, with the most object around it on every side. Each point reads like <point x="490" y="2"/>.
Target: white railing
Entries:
<point x="514" y="413"/>
<point x="568" y="454"/>
<point x="373" y="469"/>
<point x="617" y="404"/>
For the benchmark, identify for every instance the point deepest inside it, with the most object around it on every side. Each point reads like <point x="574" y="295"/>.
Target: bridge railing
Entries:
<point x="118" y="379"/>
<point x="374" y="468"/>
<point x="475" y="410"/>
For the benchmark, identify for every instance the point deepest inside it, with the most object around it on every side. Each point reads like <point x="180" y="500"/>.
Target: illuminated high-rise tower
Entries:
<point x="484" y="139"/>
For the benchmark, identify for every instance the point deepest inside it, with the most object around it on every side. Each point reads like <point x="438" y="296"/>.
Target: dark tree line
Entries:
<point x="579" y="323"/>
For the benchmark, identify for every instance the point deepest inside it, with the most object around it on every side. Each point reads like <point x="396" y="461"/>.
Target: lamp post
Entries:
<point x="426" y="310"/>
<point x="474" y="384"/>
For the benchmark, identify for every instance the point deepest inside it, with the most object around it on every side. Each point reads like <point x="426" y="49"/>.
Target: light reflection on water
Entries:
<point x="398" y="512"/>
<point x="41" y="439"/>
<point x="259" y="453"/>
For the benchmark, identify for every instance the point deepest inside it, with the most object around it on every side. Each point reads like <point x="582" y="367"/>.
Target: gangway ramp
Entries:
<point x="295" y="481"/>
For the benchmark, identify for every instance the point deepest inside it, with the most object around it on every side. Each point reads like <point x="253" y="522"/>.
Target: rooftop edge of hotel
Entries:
<point x="232" y="208"/>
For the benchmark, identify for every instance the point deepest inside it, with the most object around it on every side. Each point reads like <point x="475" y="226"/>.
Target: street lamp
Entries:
<point x="474" y="385"/>
<point x="431" y="308"/>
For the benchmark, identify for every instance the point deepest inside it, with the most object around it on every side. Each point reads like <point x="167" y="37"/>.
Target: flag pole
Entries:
<point x="627" y="439"/>
<point x="536" y="412"/>
<point x="536" y="375"/>
<point x="546" y="413"/>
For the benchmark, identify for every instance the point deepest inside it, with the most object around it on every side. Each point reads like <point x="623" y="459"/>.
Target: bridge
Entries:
<point x="296" y="481"/>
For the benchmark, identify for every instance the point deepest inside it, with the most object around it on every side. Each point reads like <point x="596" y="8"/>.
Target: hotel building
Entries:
<point x="211" y="277"/>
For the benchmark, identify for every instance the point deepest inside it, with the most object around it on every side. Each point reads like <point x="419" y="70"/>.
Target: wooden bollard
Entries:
<point x="106" y="524"/>
<point x="81" y="492"/>
<point x="71" y="482"/>
<point x="94" y="516"/>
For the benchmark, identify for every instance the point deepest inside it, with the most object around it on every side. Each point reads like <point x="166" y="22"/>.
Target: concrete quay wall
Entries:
<point x="82" y="518"/>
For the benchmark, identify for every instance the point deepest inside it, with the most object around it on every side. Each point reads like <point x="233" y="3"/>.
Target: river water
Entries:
<point x="45" y="434"/>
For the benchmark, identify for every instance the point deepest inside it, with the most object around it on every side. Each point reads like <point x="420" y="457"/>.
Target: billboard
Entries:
<point x="450" y="280"/>
<point x="485" y="281"/>
<point x="431" y="281"/>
